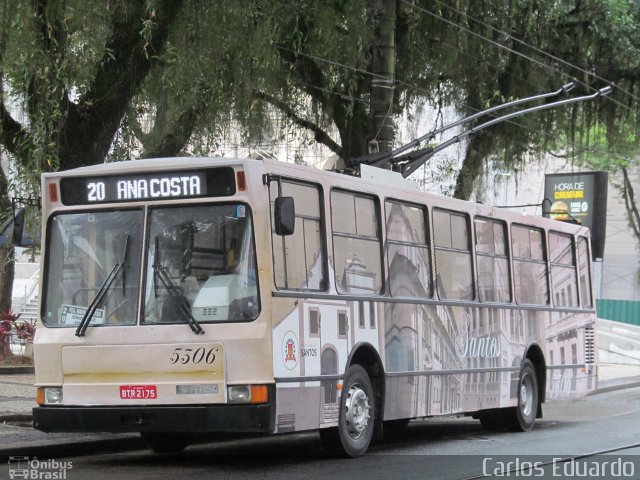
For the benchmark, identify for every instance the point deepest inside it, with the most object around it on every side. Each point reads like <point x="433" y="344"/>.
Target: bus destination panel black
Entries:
<point x="213" y="182"/>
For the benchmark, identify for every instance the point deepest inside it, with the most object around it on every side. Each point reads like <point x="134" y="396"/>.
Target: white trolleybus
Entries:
<point x="182" y="296"/>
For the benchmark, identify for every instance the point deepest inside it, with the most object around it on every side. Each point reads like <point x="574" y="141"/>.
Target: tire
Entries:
<point x="357" y="416"/>
<point x="170" y="442"/>
<point x="523" y="417"/>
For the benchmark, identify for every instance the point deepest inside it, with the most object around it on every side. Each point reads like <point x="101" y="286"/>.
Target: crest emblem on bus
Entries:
<point x="290" y="350"/>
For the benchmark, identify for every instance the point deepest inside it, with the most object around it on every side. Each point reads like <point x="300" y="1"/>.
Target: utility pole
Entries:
<point x="383" y="69"/>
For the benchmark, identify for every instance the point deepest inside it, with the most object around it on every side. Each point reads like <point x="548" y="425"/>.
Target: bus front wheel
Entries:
<point x="357" y="416"/>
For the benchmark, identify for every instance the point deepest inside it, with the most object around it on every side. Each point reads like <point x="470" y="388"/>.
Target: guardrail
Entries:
<point x="30" y="290"/>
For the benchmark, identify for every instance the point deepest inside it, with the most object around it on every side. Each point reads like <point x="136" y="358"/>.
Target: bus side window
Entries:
<point x="408" y="256"/>
<point x="529" y="265"/>
<point x="494" y="283"/>
<point x="585" y="272"/>
<point x="356" y="243"/>
<point x="454" y="278"/>
<point x="563" y="268"/>
<point x="298" y="259"/>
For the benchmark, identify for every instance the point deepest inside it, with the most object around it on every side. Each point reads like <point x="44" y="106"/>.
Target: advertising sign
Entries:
<point x="579" y="198"/>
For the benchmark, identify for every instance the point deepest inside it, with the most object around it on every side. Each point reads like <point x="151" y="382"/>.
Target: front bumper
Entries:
<point x="171" y="418"/>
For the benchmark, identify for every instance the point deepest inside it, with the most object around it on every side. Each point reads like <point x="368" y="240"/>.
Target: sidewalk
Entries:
<point x="614" y="376"/>
<point x="17" y="437"/>
<point x="17" y="398"/>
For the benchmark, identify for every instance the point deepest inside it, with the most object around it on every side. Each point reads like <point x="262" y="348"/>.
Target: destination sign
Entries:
<point x="215" y="182"/>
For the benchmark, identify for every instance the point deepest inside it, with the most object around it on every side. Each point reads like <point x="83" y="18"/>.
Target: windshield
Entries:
<point x="84" y="251"/>
<point x="200" y="265"/>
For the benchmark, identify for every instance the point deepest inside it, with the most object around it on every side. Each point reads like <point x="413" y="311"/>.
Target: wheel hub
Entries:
<point x="526" y="396"/>
<point x="357" y="411"/>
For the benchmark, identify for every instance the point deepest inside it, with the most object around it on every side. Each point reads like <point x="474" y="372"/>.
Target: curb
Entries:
<point x="74" y="447"/>
<point x="616" y="386"/>
<point x="16" y="418"/>
<point x="26" y="370"/>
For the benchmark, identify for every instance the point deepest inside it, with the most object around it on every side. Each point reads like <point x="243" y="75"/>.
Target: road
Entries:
<point x="446" y="448"/>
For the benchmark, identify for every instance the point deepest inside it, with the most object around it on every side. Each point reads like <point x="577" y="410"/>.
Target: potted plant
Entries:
<point x="7" y="319"/>
<point x="24" y="332"/>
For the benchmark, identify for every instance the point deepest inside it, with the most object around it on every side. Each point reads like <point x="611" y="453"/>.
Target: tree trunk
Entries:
<point x="6" y="277"/>
<point x="480" y="145"/>
<point x="6" y="253"/>
<point x="633" y="214"/>
<point x="6" y="292"/>
<point x="91" y="125"/>
<point x="383" y="68"/>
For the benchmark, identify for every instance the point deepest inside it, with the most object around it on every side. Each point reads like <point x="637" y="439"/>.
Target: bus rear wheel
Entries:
<point x="357" y="416"/>
<point x="522" y="417"/>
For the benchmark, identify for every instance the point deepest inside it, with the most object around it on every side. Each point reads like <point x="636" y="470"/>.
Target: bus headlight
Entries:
<point x="247" y="394"/>
<point x="49" y="396"/>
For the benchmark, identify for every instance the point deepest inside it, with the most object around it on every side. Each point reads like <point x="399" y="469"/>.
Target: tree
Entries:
<point x="631" y="204"/>
<point x="92" y="71"/>
<point x="83" y="82"/>
<point x="73" y="83"/>
<point x="590" y="42"/>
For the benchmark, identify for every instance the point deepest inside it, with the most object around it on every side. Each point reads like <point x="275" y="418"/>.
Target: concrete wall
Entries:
<point x="619" y="270"/>
<point x="618" y="342"/>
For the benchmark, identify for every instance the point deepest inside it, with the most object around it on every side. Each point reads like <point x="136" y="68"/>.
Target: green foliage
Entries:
<point x="87" y="82"/>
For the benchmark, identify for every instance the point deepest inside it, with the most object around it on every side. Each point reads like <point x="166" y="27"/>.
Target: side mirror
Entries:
<point x="26" y="227"/>
<point x="284" y="216"/>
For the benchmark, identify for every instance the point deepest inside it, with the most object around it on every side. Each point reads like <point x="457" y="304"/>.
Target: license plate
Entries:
<point x="138" y="392"/>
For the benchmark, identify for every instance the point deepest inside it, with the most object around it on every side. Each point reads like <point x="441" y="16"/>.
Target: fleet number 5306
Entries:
<point x="194" y="356"/>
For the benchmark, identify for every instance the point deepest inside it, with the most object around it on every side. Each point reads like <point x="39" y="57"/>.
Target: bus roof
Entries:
<point x="374" y="178"/>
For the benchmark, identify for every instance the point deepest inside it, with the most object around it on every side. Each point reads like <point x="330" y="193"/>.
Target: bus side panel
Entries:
<point x="314" y="340"/>
<point x="438" y="359"/>
<point x="570" y="355"/>
<point x="442" y="360"/>
<point x="295" y="355"/>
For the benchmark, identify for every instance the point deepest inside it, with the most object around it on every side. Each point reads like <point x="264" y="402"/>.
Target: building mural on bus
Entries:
<point x="438" y="359"/>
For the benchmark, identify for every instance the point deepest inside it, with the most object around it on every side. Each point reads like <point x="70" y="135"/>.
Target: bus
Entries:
<point x="186" y="296"/>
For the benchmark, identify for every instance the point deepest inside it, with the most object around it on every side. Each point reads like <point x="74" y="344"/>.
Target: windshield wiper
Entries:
<point x="181" y="301"/>
<point x="93" y="306"/>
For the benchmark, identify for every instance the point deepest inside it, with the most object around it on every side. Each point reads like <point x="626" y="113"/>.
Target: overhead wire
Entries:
<point x="509" y="49"/>
<point x="527" y="57"/>
<point x="548" y="67"/>
<point x="331" y="62"/>
<point x="425" y="92"/>
<point x="537" y="49"/>
<point x="421" y="90"/>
